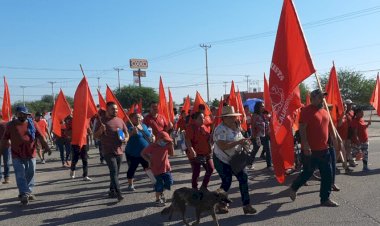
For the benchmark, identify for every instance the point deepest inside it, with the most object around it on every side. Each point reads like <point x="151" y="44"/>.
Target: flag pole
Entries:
<point x="336" y="134"/>
<point x="80" y="65"/>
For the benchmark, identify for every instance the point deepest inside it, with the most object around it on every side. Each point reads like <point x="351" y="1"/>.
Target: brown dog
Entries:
<point x="201" y="200"/>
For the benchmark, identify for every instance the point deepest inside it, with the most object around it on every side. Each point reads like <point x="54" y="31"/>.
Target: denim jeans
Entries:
<point x="266" y="149"/>
<point x="114" y="163"/>
<point x="24" y="171"/>
<point x="322" y="160"/>
<point x="62" y="146"/>
<point x="333" y="164"/>
<point x="225" y="173"/>
<point x="99" y="144"/>
<point x="6" y="162"/>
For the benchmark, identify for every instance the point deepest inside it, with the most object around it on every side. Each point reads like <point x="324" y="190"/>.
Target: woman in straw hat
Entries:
<point x="228" y="138"/>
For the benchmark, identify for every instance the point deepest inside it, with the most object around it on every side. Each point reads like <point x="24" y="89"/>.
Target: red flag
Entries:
<point x="102" y="102"/>
<point x="162" y="106"/>
<point x="112" y="98"/>
<point x="61" y="110"/>
<point x="132" y="109"/>
<point x="171" y="108"/>
<point x="240" y="109"/>
<point x="84" y="110"/>
<point x="232" y="98"/>
<point x="267" y="103"/>
<point x="140" y="108"/>
<point x="7" y="107"/>
<point x="186" y="105"/>
<point x="334" y="97"/>
<point x="308" y="98"/>
<point x="218" y="119"/>
<point x="375" y="99"/>
<point x="291" y="64"/>
<point x="199" y="100"/>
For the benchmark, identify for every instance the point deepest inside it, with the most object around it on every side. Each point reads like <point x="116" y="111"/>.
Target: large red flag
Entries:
<point x="102" y="102"/>
<point x="186" y="105"/>
<point x="132" y="109"/>
<point x="240" y="109"/>
<point x="308" y="98"/>
<point x="162" y="106"/>
<point x="199" y="100"/>
<point x="6" y="109"/>
<point x="171" y="108"/>
<point x="140" y="108"/>
<point x="334" y="97"/>
<point x="232" y="98"/>
<point x="375" y="99"/>
<point x="84" y="110"/>
<point x="112" y="98"/>
<point x="267" y="102"/>
<point x="61" y="110"/>
<point x="291" y="64"/>
<point x="218" y="119"/>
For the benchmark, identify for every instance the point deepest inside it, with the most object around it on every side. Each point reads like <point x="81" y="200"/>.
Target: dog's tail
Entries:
<point x="166" y="210"/>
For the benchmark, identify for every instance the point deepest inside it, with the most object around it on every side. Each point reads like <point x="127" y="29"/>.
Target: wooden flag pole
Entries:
<point x="336" y="134"/>
<point x="370" y="116"/>
<point x="80" y="65"/>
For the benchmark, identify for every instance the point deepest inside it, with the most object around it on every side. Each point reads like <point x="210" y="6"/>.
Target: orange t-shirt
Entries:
<point x="42" y="125"/>
<point x="199" y="137"/>
<point x="361" y="128"/>
<point x="317" y="129"/>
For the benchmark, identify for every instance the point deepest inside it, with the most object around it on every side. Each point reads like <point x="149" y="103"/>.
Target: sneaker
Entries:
<point x="334" y="187"/>
<point x="248" y="209"/>
<point x="72" y="174"/>
<point x="159" y="203"/>
<point x="119" y="197"/>
<point x="87" y="179"/>
<point x="30" y="197"/>
<point x="43" y="161"/>
<point x="366" y="169"/>
<point x="352" y="163"/>
<point x="24" y="199"/>
<point x="112" y="194"/>
<point x="292" y="194"/>
<point x="162" y="197"/>
<point x="270" y="168"/>
<point x="329" y="203"/>
<point x="6" y="180"/>
<point x="131" y="188"/>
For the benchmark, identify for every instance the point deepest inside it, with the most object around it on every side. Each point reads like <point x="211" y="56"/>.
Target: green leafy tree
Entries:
<point x="303" y="90"/>
<point x="353" y="85"/>
<point x="129" y="95"/>
<point x="215" y="103"/>
<point x="43" y="105"/>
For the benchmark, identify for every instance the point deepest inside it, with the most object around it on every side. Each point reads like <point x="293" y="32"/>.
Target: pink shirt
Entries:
<point x="159" y="158"/>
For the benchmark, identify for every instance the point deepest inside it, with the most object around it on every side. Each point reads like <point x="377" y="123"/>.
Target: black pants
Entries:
<point x="133" y="163"/>
<point x="114" y="163"/>
<point x="82" y="153"/>
<point x="322" y="160"/>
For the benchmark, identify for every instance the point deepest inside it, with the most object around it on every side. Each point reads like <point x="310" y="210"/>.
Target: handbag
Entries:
<point x="240" y="159"/>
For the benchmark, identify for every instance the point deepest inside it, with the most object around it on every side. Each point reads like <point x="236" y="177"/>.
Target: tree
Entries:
<point x="353" y="85"/>
<point x="43" y="105"/>
<point x="215" y="103"/>
<point x="303" y="90"/>
<point x="129" y="95"/>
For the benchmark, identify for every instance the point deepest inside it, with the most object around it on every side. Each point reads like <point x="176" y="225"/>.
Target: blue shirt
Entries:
<point x="137" y="142"/>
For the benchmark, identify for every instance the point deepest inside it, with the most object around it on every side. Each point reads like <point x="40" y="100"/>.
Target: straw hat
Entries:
<point x="229" y="111"/>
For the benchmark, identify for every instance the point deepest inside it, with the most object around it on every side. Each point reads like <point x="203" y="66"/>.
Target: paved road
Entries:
<point x="64" y="201"/>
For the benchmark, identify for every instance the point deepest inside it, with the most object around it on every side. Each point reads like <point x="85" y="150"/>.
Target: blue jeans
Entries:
<point x="266" y="149"/>
<point x="6" y="161"/>
<point x="163" y="181"/>
<point x="62" y="146"/>
<point x="333" y="164"/>
<point x="24" y="171"/>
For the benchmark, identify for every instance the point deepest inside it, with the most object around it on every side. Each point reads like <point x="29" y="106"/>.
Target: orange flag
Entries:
<point x="334" y="97"/>
<point x="61" y="110"/>
<point x="218" y="119"/>
<point x="84" y="110"/>
<point x="102" y="102"/>
<point x="375" y="99"/>
<point x="112" y="98"/>
<point x="232" y="98"/>
<point x="162" y="106"/>
<point x="6" y="109"/>
<point x="267" y="103"/>
<point x="291" y="64"/>
<point x="308" y="98"/>
<point x="140" y="108"/>
<point x="199" y="100"/>
<point x="186" y="105"/>
<point x="170" y="108"/>
<point x="240" y="109"/>
<point x="132" y="109"/>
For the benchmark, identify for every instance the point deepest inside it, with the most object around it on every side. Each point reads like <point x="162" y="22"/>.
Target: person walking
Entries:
<point x="112" y="132"/>
<point x="6" y="158"/>
<point x="43" y="126"/>
<point x="314" y="129"/>
<point x="360" y="135"/>
<point x="228" y="137"/>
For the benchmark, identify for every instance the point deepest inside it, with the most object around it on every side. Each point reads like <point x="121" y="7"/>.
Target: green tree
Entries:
<point x="303" y="90"/>
<point x="43" y="105"/>
<point x="353" y="85"/>
<point x="129" y="95"/>
<point x="215" y="103"/>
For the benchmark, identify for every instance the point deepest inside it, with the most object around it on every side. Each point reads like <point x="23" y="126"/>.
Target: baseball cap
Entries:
<point x="22" y="109"/>
<point x="348" y="101"/>
<point x="317" y="92"/>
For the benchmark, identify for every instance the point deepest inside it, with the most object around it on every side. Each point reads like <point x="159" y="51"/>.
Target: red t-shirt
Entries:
<point x="199" y="137"/>
<point x="159" y="158"/>
<point x="3" y="126"/>
<point x="110" y="141"/>
<point x="22" y="145"/>
<point x="157" y="124"/>
<point x="181" y="124"/>
<point x="317" y="129"/>
<point x="343" y="129"/>
<point x="42" y="125"/>
<point x="361" y="128"/>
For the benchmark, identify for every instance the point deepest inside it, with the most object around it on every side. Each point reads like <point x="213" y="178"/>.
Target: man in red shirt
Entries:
<point x="314" y="129"/>
<point x="156" y="121"/>
<point x="199" y="150"/>
<point x="23" y="133"/>
<point x="43" y="126"/>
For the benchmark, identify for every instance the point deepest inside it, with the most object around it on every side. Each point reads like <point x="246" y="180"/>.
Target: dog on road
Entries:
<point x="201" y="200"/>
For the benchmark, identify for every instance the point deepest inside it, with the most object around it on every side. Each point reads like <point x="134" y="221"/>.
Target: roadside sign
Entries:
<point x="142" y="73"/>
<point x="138" y="63"/>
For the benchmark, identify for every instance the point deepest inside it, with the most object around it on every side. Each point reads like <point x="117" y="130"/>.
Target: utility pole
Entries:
<point x="205" y="47"/>
<point x="23" y="94"/>
<point x="225" y="87"/>
<point x="247" y="76"/>
<point x="98" y="83"/>
<point x="52" y="90"/>
<point x="118" y="75"/>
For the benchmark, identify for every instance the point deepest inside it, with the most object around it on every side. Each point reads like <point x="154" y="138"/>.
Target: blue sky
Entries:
<point x="46" y="40"/>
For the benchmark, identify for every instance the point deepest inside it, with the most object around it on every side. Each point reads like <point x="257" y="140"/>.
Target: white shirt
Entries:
<point x="222" y="132"/>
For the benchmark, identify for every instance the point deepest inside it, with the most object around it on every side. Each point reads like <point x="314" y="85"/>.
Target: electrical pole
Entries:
<point x="205" y="47"/>
<point x="247" y="76"/>
<point x="98" y="83"/>
<point x="225" y="86"/>
<point x="118" y="75"/>
<point x="23" y="94"/>
<point x="52" y="90"/>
